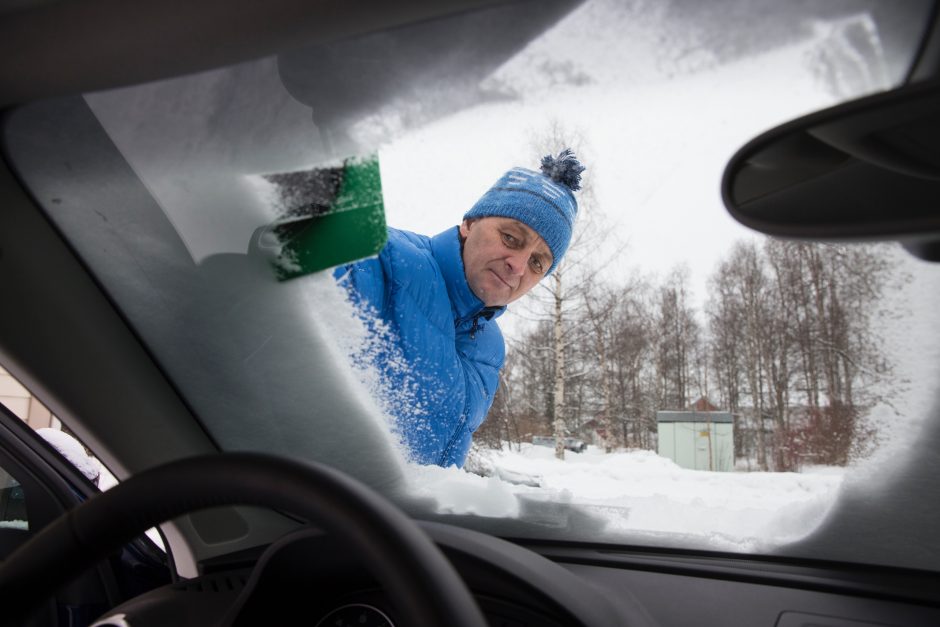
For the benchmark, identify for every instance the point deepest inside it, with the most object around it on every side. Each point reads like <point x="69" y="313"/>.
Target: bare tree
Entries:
<point x="599" y="309"/>
<point x="677" y="336"/>
<point x="791" y="334"/>
<point x="741" y="284"/>
<point x="634" y="375"/>
<point x="562" y="295"/>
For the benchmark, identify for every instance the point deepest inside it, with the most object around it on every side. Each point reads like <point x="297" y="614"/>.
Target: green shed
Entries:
<point x="698" y="440"/>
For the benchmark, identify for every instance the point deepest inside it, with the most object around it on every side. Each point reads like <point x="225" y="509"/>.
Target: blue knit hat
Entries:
<point x="542" y="200"/>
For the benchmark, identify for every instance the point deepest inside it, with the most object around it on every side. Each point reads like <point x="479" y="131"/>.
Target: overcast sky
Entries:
<point x="656" y="143"/>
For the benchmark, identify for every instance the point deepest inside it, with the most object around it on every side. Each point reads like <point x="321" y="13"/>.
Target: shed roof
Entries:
<point x="694" y="416"/>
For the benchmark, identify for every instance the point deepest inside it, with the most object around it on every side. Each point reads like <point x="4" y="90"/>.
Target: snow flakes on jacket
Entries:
<point x="441" y="351"/>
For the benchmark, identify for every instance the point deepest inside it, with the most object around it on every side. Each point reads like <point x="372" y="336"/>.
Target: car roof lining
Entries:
<point x="109" y="43"/>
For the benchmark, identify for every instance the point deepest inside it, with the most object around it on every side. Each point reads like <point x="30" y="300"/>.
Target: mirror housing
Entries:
<point x="863" y="170"/>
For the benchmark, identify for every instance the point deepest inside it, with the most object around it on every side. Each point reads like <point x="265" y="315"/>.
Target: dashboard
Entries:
<point x="307" y="578"/>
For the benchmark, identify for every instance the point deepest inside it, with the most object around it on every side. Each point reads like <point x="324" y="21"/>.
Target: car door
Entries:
<point x="37" y="484"/>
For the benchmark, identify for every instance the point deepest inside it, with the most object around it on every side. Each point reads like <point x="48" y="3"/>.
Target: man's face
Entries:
<point x="502" y="258"/>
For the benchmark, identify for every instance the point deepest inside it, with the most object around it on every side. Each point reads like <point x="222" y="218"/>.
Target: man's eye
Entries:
<point x="509" y="239"/>
<point x="537" y="264"/>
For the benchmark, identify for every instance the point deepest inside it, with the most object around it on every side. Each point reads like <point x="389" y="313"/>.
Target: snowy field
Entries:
<point x="641" y="493"/>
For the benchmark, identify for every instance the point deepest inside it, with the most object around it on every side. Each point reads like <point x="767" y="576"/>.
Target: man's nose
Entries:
<point x="516" y="262"/>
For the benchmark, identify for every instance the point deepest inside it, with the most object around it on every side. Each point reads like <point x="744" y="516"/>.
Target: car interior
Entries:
<point x="140" y="142"/>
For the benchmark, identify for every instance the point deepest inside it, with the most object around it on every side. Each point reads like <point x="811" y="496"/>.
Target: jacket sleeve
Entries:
<point x="438" y="382"/>
<point x="364" y="281"/>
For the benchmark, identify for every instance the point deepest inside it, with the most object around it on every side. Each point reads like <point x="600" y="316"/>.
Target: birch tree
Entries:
<point x="561" y="296"/>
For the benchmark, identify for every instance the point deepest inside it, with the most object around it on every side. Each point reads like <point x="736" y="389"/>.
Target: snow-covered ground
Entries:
<point x="641" y="493"/>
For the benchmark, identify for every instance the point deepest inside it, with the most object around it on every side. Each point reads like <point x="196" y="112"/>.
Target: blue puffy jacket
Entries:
<point x="440" y="357"/>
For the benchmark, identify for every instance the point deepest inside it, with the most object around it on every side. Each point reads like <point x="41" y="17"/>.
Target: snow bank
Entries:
<point x="641" y="493"/>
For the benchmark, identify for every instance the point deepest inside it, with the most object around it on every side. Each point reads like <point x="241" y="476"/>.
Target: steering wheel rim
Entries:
<point x="426" y="588"/>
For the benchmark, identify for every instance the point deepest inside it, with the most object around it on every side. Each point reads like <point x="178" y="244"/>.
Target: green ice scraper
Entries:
<point x="331" y="216"/>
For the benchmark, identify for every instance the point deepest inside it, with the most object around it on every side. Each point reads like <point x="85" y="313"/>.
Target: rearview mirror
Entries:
<point x="864" y="170"/>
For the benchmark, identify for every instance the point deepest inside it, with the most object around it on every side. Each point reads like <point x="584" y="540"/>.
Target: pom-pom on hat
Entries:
<point x="542" y="200"/>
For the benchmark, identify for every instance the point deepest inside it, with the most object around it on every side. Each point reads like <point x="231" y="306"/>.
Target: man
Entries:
<point x="434" y="301"/>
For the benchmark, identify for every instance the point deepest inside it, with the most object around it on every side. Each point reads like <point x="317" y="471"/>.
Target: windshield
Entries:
<point x="677" y="380"/>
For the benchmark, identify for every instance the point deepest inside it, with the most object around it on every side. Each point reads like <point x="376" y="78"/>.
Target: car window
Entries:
<point x="679" y="381"/>
<point x="15" y="397"/>
<point x="13" y="512"/>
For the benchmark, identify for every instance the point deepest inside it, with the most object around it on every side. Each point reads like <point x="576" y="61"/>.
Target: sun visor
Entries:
<point x="421" y="71"/>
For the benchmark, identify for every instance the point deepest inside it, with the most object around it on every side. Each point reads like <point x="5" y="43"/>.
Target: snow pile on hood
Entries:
<point x="459" y="492"/>
<point x="641" y="493"/>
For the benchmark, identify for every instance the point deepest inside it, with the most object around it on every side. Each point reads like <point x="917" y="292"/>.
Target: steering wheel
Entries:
<point x="427" y="590"/>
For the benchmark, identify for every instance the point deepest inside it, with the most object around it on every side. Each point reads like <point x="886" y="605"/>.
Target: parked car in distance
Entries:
<point x="575" y="445"/>
<point x="543" y="440"/>
<point x="572" y="444"/>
